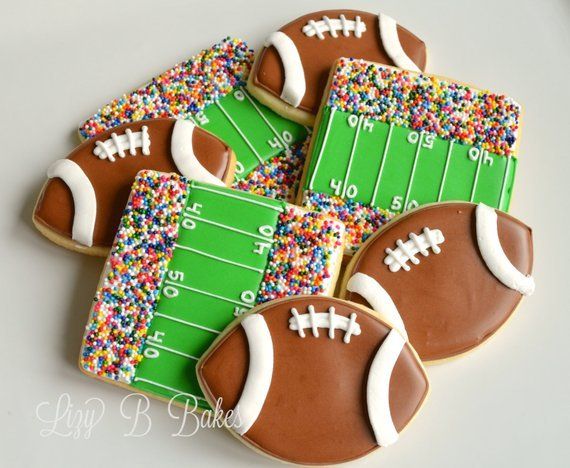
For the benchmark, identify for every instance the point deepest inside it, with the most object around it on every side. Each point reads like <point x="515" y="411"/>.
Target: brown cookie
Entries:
<point x="81" y="204"/>
<point x="455" y="272"/>
<point x="290" y="73"/>
<point x="314" y="380"/>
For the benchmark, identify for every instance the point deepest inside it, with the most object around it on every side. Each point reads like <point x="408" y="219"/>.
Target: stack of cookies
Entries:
<point x="289" y="236"/>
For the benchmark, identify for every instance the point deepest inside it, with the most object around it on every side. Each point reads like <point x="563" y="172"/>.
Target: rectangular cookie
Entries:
<point x="389" y="140"/>
<point x="188" y="258"/>
<point x="209" y="89"/>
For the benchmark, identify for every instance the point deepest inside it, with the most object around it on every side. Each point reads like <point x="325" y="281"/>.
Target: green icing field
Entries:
<point x="396" y="168"/>
<point x="253" y="131"/>
<point x="214" y="275"/>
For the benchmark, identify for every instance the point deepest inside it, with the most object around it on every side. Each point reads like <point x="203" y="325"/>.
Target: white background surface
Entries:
<point x="507" y="404"/>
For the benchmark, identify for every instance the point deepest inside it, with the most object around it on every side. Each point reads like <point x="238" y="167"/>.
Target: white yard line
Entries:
<point x="323" y="144"/>
<point x="447" y="159"/>
<point x="184" y="322"/>
<point x="476" y="179"/>
<point x="206" y="293"/>
<point x="384" y="154"/>
<point x="229" y="228"/>
<point x="267" y="122"/>
<point x="237" y="197"/>
<point x="411" y="181"/>
<point x="170" y="350"/>
<point x="350" y="158"/>
<point x="219" y="259"/>
<point x="245" y="139"/>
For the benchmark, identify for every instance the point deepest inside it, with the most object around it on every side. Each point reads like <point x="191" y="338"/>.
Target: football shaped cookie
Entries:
<point x="189" y="258"/>
<point x="455" y="272"/>
<point x="314" y="380"/>
<point x="291" y="71"/>
<point x="81" y="204"/>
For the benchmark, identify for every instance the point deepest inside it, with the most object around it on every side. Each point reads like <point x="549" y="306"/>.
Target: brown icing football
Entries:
<point x="80" y="205"/>
<point x="293" y="67"/>
<point x="455" y="272"/>
<point x="314" y="380"/>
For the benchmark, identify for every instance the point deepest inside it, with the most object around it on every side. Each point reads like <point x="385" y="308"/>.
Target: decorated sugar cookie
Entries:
<point x="314" y="380"/>
<point x="81" y="204"/>
<point x="291" y="71"/>
<point x="209" y="89"/>
<point x="455" y="272"/>
<point x="188" y="258"/>
<point x="389" y="140"/>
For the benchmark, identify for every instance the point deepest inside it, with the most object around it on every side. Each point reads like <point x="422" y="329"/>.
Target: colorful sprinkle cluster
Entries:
<point x="279" y="177"/>
<point x="427" y="103"/>
<point x="360" y="220"/>
<point x="303" y="259"/>
<point x="184" y="90"/>
<point x="124" y="305"/>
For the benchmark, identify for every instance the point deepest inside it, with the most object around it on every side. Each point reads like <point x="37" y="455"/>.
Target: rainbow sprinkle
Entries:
<point x="302" y="260"/>
<point x="184" y="90"/>
<point x="279" y="177"/>
<point x="427" y="103"/>
<point x="124" y="305"/>
<point x="360" y="220"/>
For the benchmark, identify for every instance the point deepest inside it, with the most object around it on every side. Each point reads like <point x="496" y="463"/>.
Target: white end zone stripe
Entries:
<point x="294" y="86"/>
<point x="378" y="389"/>
<point x="184" y="157"/>
<point x="493" y="254"/>
<point x="391" y="42"/>
<point x="258" y="377"/>
<point x="84" y="200"/>
<point x="377" y="297"/>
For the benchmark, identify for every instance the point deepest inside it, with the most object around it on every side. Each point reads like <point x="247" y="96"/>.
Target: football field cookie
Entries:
<point x="389" y="140"/>
<point x="314" y="380"/>
<point x="209" y="89"/>
<point x="81" y="204"/>
<point x="188" y="258"/>
<point x="291" y="72"/>
<point x="454" y="271"/>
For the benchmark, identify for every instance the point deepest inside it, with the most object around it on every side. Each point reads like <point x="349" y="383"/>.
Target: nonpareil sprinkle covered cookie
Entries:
<point x="388" y="140"/>
<point x="455" y="272"/>
<point x="209" y="89"/>
<point x="187" y="259"/>
<point x="314" y="380"/>
<point x="291" y="71"/>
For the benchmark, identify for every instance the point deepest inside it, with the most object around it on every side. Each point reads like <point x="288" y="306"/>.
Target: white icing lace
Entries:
<point x="315" y="320"/>
<point x="405" y="251"/>
<point x="331" y="26"/>
<point x="117" y="144"/>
